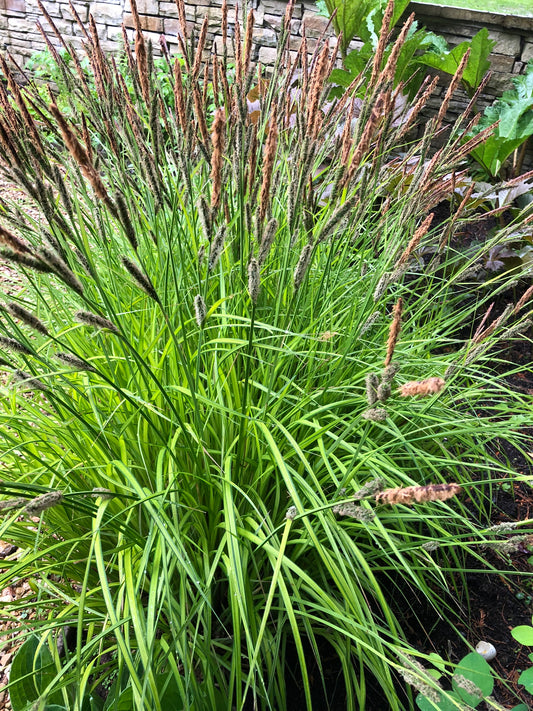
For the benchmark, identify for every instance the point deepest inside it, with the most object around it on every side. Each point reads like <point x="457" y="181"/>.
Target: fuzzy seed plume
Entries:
<point x="28" y="381"/>
<point x="418" y="677"/>
<point x="372" y="384"/>
<point x="267" y="240"/>
<point x="302" y="266"/>
<point x="140" y="278"/>
<point x="526" y="296"/>
<point x="125" y="219"/>
<point x="24" y="260"/>
<point x="204" y="217"/>
<point x="468" y="686"/>
<point x="74" y="362"/>
<point x="45" y="501"/>
<point x="200" y="309"/>
<point x="389" y="372"/>
<point x="375" y="414"/>
<point x="370" y="322"/>
<point x="60" y="268"/>
<point x="8" y="239"/>
<point x="384" y="392"/>
<point x="382" y="284"/>
<point x="514" y="544"/>
<point x="291" y="514"/>
<point x="369" y="489"/>
<point x="418" y="494"/>
<point x="360" y="513"/>
<point x="394" y="330"/>
<point x="429" y="386"/>
<point x="9" y="504"/>
<point x="11" y="344"/>
<point x="89" y="319"/>
<point x="27" y="317"/>
<point x="253" y="280"/>
<point x="216" y="248"/>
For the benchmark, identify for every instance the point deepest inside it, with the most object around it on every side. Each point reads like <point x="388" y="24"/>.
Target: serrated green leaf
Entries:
<point x="478" y="63"/>
<point x="523" y="634"/>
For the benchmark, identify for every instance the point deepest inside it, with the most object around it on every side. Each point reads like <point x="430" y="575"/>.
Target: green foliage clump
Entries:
<point x="211" y="368"/>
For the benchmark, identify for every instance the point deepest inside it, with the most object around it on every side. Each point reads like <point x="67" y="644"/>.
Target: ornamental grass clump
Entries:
<point x="201" y="370"/>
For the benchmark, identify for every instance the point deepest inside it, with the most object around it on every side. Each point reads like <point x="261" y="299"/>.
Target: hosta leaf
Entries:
<point x="31" y="672"/>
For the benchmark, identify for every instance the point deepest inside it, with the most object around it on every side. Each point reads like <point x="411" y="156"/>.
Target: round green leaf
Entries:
<point x="523" y="634"/>
<point x="477" y="672"/>
<point x="526" y="679"/>
<point x="448" y="702"/>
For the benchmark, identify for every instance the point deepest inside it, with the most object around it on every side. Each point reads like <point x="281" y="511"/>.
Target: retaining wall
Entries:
<point x="20" y="36"/>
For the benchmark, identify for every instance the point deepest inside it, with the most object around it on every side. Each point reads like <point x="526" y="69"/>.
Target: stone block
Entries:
<point x="82" y="10"/>
<point x="148" y="23"/>
<point x="13" y="5"/>
<point x="168" y="9"/>
<point x="527" y="52"/>
<point x="314" y="24"/>
<point x="265" y="37"/>
<point x="506" y="43"/>
<point x="106" y="12"/>
<point x="501" y="64"/>
<point x="498" y="84"/>
<point x="267" y="55"/>
<point x="52" y="8"/>
<point x="19" y="24"/>
<point x="144" y="7"/>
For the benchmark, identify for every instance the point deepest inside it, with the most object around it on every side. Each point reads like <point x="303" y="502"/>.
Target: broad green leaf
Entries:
<point x="480" y="47"/>
<point x="449" y="701"/>
<point x="526" y="679"/>
<point x="31" y="672"/>
<point x="476" y="670"/>
<point x="523" y="634"/>
<point x="478" y="63"/>
<point x="447" y="62"/>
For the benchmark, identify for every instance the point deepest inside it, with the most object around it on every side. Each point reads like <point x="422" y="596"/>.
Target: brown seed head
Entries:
<point x="429" y="386"/>
<point x="217" y="138"/>
<point x="418" y="494"/>
<point x="268" y="163"/>
<point x="394" y="330"/>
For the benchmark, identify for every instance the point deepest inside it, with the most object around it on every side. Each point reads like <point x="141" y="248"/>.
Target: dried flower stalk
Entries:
<point x="27" y="317"/>
<point x="268" y="163"/>
<point x="217" y="137"/>
<point x="382" y="42"/>
<point x="418" y="494"/>
<point x="415" y="240"/>
<point x="394" y="330"/>
<point x="429" y="386"/>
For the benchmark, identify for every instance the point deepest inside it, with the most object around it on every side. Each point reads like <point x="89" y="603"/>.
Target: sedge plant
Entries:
<point x="240" y="418"/>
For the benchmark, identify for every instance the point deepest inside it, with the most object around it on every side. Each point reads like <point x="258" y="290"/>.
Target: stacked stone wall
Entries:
<point x="20" y="36"/>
